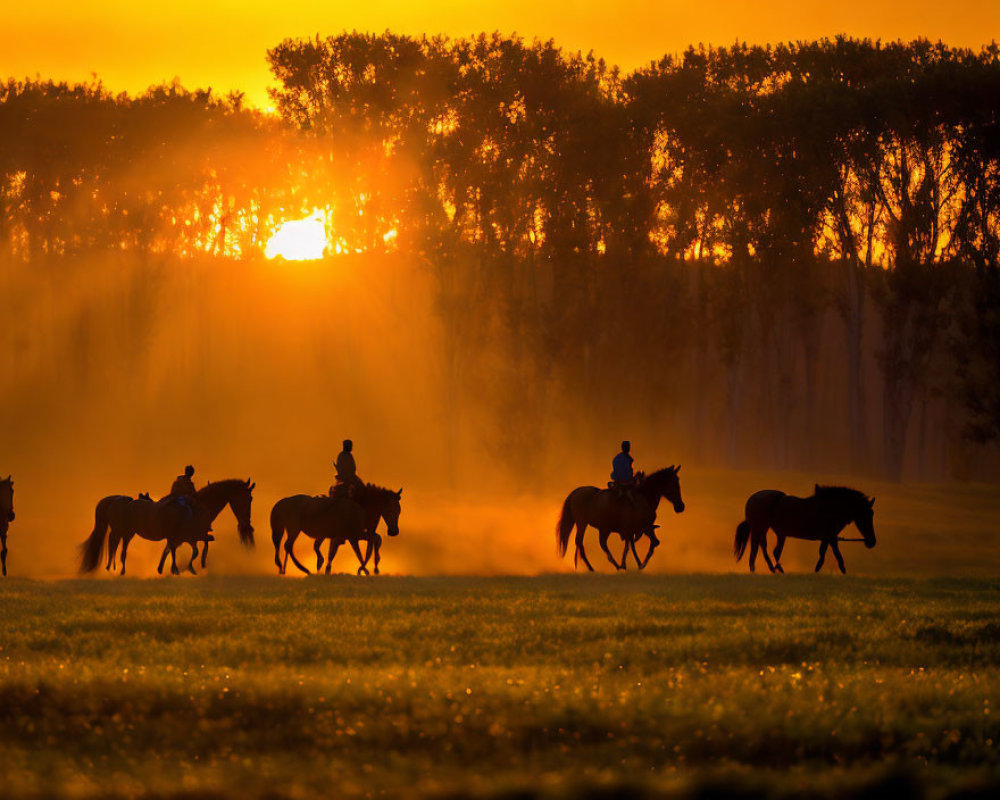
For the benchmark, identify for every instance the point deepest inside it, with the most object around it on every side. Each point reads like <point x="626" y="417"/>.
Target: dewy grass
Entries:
<point x="561" y="685"/>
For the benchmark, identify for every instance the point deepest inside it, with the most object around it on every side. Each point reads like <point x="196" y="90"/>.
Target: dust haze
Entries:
<point x="120" y="374"/>
<point x="532" y="256"/>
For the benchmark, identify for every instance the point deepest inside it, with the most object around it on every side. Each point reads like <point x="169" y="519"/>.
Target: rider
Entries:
<point x="183" y="490"/>
<point x="347" y="471"/>
<point x="622" y="476"/>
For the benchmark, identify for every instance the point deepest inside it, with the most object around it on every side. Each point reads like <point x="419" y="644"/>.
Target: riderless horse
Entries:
<point x="818" y="518"/>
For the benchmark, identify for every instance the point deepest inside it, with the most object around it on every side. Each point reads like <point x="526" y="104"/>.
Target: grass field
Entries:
<point x="703" y="686"/>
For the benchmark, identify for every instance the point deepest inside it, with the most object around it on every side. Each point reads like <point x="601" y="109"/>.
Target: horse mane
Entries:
<point x="652" y="476"/>
<point x="212" y="487"/>
<point x="374" y="488"/>
<point x="840" y="494"/>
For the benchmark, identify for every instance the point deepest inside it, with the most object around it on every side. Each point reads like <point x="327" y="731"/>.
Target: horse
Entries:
<point x="337" y="518"/>
<point x="601" y="508"/>
<point x="156" y="521"/>
<point x="819" y="518"/>
<point x="6" y="517"/>
<point x="238" y="495"/>
<point x="379" y="503"/>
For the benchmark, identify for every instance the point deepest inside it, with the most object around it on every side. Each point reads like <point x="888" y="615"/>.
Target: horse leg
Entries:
<point x="625" y="550"/>
<point x="635" y="554"/>
<point x="277" y="552"/>
<point x="778" y="548"/>
<point x="204" y="555"/>
<point x="163" y="557"/>
<point x="580" y="552"/>
<point x="840" y="559"/>
<point x="653" y="544"/>
<point x="194" y="555"/>
<point x="362" y="570"/>
<point x="289" y="543"/>
<point x="173" y="560"/>
<point x="331" y="551"/>
<point x="125" y="540"/>
<point x="602" y="537"/>
<point x="763" y="552"/>
<point x="113" y="539"/>
<point x="317" y="543"/>
<point x="822" y="555"/>
<point x="753" y="551"/>
<point x="3" y="553"/>
<point x="378" y="550"/>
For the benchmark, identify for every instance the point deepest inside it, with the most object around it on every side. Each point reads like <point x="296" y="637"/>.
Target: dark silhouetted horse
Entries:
<point x="609" y="513"/>
<point x="379" y="504"/>
<point x="6" y="516"/>
<point x="157" y="522"/>
<point x="233" y="492"/>
<point x="340" y="518"/>
<point x="820" y="518"/>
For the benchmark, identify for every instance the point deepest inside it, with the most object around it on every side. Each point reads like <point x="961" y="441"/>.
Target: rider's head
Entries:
<point x="626" y="446"/>
<point x="189" y="470"/>
<point x="348" y="445"/>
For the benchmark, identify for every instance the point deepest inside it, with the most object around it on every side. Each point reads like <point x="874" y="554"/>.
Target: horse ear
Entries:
<point x="251" y="487"/>
<point x="871" y="502"/>
<point x="677" y="469"/>
<point x="399" y="494"/>
<point x="817" y="488"/>
<point x="248" y="481"/>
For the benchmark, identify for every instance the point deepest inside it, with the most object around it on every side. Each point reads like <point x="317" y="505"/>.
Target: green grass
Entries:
<point x="704" y="686"/>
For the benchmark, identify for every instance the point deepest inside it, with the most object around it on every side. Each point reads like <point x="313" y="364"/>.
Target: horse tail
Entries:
<point x="564" y="528"/>
<point x="742" y="537"/>
<point x="93" y="548"/>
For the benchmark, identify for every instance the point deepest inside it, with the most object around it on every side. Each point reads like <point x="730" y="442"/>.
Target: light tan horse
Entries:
<point x="609" y="513"/>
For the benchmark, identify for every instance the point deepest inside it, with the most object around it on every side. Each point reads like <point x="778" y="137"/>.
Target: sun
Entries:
<point x="299" y="239"/>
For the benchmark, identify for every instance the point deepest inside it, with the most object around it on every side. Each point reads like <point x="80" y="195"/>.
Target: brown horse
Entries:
<point x="337" y="518"/>
<point x="379" y="504"/>
<point x="126" y="517"/>
<point x="630" y="519"/>
<point x="6" y="516"/>
<point x="819" y="518"/>
<point x="213" y="497"/>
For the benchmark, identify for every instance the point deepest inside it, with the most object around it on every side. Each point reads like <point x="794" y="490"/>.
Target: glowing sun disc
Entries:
<point x="299" y="239"/>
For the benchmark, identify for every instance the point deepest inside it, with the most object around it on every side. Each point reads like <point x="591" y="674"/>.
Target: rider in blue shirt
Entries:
<point x="622" y="476"/>
<point x="621" y="465"/>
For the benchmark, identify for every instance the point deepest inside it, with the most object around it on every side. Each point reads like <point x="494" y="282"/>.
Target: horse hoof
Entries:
<point x="376" y="570"/>
<point x="779" y="568"/>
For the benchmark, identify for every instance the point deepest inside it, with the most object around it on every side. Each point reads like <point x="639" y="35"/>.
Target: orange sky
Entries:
<point x="221" y="43"/>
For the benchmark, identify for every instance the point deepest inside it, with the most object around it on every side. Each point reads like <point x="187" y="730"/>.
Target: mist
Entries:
<point x="531" y="258"/>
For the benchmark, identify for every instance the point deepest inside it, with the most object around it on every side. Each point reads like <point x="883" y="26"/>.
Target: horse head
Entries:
<point x="390" y="509"/>
<point x="240" y="501"/>
<point x="666" y="484"/>
<point x="864" y="518"/>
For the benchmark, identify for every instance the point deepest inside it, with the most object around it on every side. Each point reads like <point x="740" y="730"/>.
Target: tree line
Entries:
<point x="776" y="256"/>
